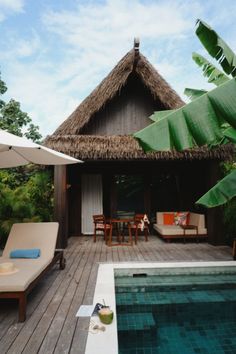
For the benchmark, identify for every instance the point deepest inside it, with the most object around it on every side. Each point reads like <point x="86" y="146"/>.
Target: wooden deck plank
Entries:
<point x="115" y="256"/>
<point x="51" y="325"/>
<point x="51" y="338"/>
<point x="52" y="335"/>
<point x="109" y="255"/>
<point x="67" y="333"/>
<point x="80" y="335"/>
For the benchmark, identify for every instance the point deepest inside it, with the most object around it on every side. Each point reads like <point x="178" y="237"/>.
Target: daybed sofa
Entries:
<point x="193" y="227"/>
<point x="27" y="272"/>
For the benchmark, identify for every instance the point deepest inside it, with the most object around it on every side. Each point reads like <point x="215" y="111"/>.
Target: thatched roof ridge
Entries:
<point x="126" y="148"/>
<point x="112" y="84"/>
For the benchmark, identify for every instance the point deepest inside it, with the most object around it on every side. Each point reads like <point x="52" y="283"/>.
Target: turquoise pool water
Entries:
<point x="177" y="314"/>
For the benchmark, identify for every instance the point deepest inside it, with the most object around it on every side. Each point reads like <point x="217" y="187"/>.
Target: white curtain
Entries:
<point x="91" y="201"/>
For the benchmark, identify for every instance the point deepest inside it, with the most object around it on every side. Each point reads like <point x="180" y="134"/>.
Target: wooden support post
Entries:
<point x="60" y="204"/>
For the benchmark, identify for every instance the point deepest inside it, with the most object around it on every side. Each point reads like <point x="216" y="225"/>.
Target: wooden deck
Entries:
<point x="51" y="325"/>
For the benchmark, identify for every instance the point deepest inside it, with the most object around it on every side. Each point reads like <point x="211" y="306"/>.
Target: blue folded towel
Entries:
<point x="25" y="253"/>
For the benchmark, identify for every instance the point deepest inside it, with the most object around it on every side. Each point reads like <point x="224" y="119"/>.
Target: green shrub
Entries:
<point x="30" y="202"/>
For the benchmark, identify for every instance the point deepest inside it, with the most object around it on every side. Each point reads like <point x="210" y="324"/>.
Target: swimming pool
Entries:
<point x="107" y="341"/>
<point x="179" y="311"/>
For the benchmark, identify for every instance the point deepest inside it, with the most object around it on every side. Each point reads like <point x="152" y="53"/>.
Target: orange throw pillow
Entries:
<point x="168" y="218"/>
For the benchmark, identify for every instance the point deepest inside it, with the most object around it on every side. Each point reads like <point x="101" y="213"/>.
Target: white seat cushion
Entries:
<point x="168" y="229"/>
<point x="177" y="230"/>
<point x="29" y="269"/>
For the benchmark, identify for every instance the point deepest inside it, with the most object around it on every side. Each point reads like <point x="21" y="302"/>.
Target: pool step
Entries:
<point x="201" y="311"/>
<point x="135" y="321"/>
<point x="136" y="330"/>
<point x="175" y="297"/>
<point x="142" y="288"/>
<point x="175" y="280"/>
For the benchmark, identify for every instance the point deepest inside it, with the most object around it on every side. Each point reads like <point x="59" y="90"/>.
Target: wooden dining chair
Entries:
<point x="140" y="225"/>
<point x="100" y="224"/>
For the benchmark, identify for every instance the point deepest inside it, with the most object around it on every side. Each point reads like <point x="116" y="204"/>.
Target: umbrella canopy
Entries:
<point x="17" y="151"/>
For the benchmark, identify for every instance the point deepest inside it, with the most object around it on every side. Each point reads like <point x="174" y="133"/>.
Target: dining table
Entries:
<point x="116" y="224"/>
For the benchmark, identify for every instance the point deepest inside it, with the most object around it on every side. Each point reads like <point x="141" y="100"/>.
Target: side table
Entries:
<point x="189" y="227"/>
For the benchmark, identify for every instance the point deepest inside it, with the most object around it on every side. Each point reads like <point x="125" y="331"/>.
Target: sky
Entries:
<point x="53" y="53"/>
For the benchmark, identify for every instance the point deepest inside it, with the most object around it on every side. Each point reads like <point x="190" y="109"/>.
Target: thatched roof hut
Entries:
<point x="100" y="130"/>
<point x="72" y="138"/>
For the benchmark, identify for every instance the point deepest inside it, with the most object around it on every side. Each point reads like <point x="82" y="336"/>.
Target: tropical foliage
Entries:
<point x="221" y="193"/>
<point x="13" y="120"/>
<point x="25" y="192"/>
<point x="214" y="75"/>
<point x="220" y="51"/>
<point x="209" y="120"/>
<point x="29" y="202"/>
<point x="193" y="93"/>
<point x="217" y="47"/>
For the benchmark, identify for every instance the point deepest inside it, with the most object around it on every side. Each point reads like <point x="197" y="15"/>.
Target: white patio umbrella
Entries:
<point x="17" y="151"/>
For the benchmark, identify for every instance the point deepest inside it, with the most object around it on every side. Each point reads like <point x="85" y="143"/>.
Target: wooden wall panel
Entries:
<point x="126" y="113"/>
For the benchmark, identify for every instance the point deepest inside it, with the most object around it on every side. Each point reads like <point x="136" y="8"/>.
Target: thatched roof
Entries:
<point x="115" y="147"/>
<point x="68" y="137"/>
<point x="112" y="84"/>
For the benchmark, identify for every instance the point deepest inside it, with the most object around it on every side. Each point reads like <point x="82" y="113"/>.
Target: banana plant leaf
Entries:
<point x="193" y="93"/>
<point x="230" y="133"/>
<point x="160" y="114"/>
<point x="215" y="76"/>
<point x="221" y="193"/>
<point x="217" y="47"/>
<point x="195" y="124"/>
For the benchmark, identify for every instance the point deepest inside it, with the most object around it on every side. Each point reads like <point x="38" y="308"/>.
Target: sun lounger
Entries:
<point x="27" y="272"/>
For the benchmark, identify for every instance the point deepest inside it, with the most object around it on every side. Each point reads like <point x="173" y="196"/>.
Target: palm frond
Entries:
<point x="197" y="123"/>
<point x="221" y="193"/>
<point x="230" y="134"/>
<point x="160" y="114"/>
<point x="217" y="47"/>
<point x="193" y="93"/>
<point x="215" y="76"/>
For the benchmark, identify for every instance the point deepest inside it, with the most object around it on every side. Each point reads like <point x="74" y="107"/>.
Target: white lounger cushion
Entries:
<point x="28" y="235"/>
<point x="177" y="230"/>
<point x="29" y="269"/>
